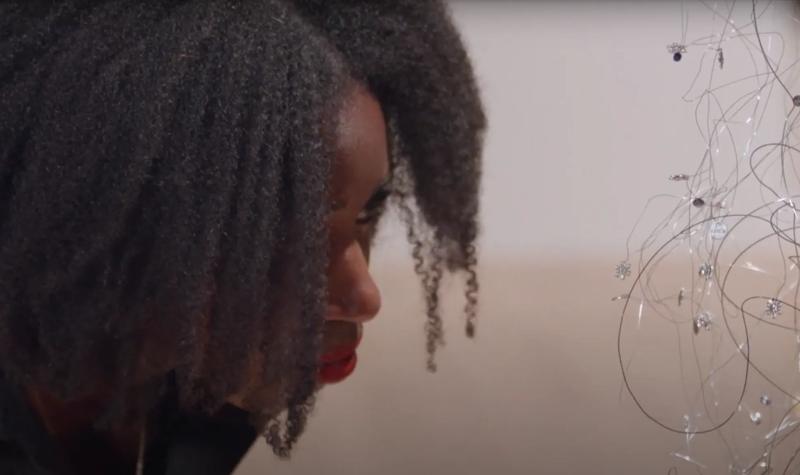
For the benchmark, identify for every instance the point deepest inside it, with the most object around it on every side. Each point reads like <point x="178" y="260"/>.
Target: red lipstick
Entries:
<point x="338" y="363"/>
<point x="336" y="371"/>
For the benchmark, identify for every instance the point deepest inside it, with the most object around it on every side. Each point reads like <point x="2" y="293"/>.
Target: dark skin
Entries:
<point x="359" y="187"/>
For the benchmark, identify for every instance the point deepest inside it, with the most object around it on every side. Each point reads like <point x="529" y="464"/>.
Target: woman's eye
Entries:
<point x="374" y="208"/>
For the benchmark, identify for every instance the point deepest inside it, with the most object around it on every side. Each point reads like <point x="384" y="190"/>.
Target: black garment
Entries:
<point x="182" y="444"/>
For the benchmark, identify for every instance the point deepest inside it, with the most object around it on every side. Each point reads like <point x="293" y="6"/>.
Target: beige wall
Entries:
<point x="586" y="124"/>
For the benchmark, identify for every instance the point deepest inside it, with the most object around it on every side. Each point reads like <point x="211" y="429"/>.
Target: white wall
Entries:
<point x="586" y="120"/>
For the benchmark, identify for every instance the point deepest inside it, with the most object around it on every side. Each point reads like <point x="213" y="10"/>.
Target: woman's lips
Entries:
<point x="339" y="362"/>
<point x="336" y="371"/>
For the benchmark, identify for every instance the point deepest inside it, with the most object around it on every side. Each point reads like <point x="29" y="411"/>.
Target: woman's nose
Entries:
<point x="353" y="295"/>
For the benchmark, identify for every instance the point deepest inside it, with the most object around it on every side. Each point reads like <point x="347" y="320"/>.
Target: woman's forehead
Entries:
<point x="361" y="145"/>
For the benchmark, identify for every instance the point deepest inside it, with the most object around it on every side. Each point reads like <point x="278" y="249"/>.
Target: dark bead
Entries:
<point x="796" y="101"/>
<point x="677" y="56"/>
<point x="698" y="202"/>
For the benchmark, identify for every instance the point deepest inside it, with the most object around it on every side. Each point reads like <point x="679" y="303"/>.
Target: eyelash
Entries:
<point x="374" y="208"/>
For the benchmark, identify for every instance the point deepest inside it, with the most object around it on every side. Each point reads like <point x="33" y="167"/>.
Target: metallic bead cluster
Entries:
<point x="623" y="270"/>
<point x="702" y="321"/>
<point x="706" y="271"/>
<point x="774" y="308"/>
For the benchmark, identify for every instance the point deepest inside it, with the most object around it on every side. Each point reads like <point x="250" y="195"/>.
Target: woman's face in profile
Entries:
<point x="359" y="188"/>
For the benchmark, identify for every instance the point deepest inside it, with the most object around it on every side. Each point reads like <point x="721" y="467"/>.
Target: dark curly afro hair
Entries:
<point x="163" y="183"/>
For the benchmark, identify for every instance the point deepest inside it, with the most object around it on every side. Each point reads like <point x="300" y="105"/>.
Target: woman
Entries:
<point x="188" y="191"/>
